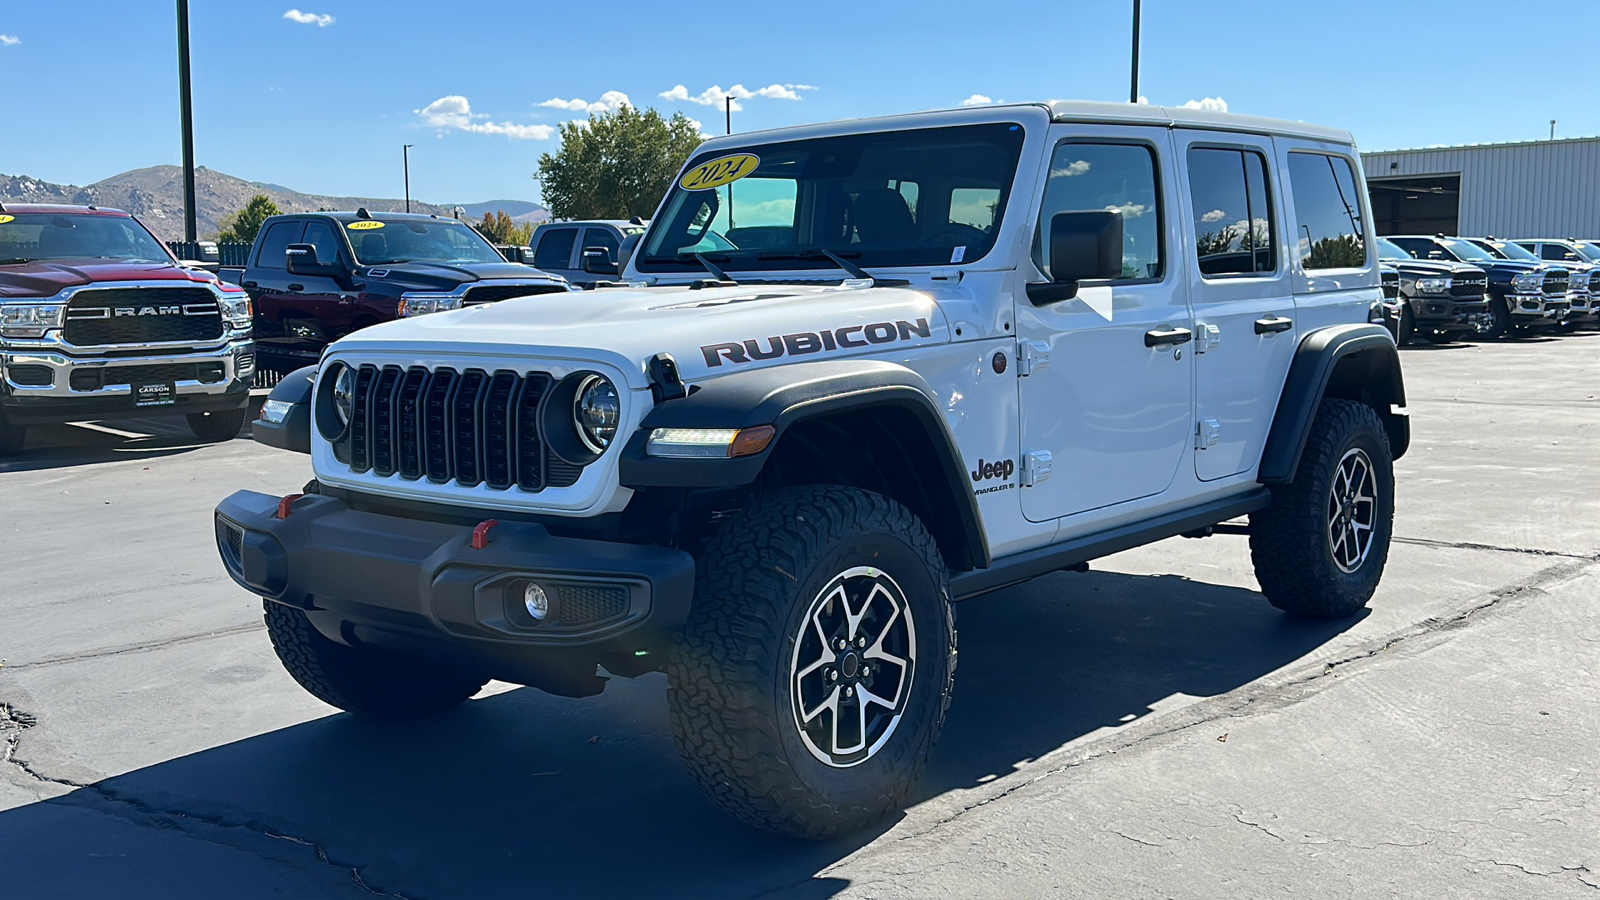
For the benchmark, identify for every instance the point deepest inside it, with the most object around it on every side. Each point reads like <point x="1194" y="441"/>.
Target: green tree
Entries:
<point x="617" y="165"/>
<point x="499" y="228"/>
<point x="243" y="226"/>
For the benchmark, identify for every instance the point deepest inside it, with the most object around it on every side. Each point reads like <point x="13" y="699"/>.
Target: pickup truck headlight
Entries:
<point x="30" y="320"/>
<point x="235" y="309"/>
<point x="1527" y="282"/>
<point x="1579" y="281"/>
<point x="1433" y="285"/>
<point x="597" y="409"/>
<point x="420" y="306"/>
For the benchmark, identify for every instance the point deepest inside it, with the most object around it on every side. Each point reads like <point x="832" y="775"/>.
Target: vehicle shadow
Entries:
<point x="521" y="792"/>
<point x="81" y="444"/>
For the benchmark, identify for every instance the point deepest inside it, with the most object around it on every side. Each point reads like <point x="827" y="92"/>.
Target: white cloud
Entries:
<point x="308" y="18"/>
<point x="1216" y="215"/>
<point x="455" y="113"/>
<point x="1211" y="104"/>
<point x="716" y="96"/>
<point x="9" y="40"/>
<point x="1073" y="169"/>
<point x="1143" y="99"/>
<point x="976" y="100"/>
<point x="1129" y="210"/>
<point x="610" y="101"/>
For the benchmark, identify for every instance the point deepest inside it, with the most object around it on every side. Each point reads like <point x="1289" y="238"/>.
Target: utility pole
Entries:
<point x="727" y="104"/>
<point x="405" y="160"/>
<point x="1552" y="129"/>
<point x="186" y="102"/>
<point x="1133" y="90"/>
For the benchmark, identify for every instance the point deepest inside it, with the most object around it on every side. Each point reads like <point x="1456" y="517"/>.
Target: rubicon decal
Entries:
<point x="806" y="342"/>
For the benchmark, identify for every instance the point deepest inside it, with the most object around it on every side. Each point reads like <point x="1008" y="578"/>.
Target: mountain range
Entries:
<point x="155" y="195"/>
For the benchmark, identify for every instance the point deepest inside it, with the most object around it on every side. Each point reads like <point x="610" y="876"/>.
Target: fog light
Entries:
<point x="536" y="601"/>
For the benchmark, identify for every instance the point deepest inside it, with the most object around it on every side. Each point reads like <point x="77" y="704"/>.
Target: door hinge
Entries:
<point x="1207" y="433"/>
<point x="1032" y="356"/>
<point x="1206" y="337"/>
<point x="1035" y="467"/>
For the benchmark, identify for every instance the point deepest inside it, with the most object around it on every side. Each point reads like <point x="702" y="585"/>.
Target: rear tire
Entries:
<point x="785" y="728"/>
<point x="213" y="427"/>
<point x="1407" y="328"/>
<point x="1320" y="548"/>
<point x="1500" y="315"/>
<point x="367" y="683"/>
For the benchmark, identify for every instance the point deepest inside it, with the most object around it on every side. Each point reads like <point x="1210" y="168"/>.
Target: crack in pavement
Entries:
<point x="1261" y="699"/>
<point x="1471" y="545"/>
<point x="13" y="722"/>
<point x="142" y="647"/>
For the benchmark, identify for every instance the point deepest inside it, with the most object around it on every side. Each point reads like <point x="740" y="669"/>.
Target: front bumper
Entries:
<point x="1582" y="305"/>
<point x="420" y="588"/>
<point x="1446" y="314"/>
<point x="43" y="372"/>
<point x="1537" y="306"/>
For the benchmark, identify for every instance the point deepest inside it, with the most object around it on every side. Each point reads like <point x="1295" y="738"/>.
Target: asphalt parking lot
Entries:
<point x="1149" y="729"/>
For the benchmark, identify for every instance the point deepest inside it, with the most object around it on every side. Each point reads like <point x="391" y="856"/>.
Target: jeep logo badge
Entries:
<point x="987" y="470"/>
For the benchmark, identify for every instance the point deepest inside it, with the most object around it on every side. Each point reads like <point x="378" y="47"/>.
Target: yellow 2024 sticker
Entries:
<point x="5" y="219"/>
<point x="364" y="225"/>
<point x="718" y="172"/>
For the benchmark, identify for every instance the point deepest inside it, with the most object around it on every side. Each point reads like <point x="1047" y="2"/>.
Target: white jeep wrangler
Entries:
<point x="854" y="372"/>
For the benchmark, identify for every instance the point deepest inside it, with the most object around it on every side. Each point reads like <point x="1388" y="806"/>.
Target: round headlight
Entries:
<point x="596" y="408"/>
<point x="344" y="392"/>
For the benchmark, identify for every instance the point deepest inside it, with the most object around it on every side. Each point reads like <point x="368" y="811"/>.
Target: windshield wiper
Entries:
<point x="850" y="268"/>
<point x="721" y="277"/>
<point x="15" y="261"/>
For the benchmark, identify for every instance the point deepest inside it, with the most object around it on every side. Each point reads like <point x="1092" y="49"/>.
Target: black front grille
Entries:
<point x="587" y="604"/>
<point x="32" y="376"/>
<point x="103" y="316"/>
<point x="1555" y="284"/>
<point x="115" y="376"/>
<point x="1468" y="287"/>
<point x="489" y="293"/>
<point x="471" y="427"/>
<point x="1391" y="285"/>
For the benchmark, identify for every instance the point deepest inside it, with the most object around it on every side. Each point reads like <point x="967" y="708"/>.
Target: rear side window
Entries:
<point x="1327" y="208"/>
<point x="321" y="236"/>
<point x="275" y="244"/>
<point x="1234" y="229"/>
<point x="555" y="249"/>
<point x="1554" y="251"/>
<point x="1112" y="177"/>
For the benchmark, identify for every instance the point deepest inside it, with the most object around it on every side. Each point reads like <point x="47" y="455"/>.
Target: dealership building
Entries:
<point x="1531" y="189"/>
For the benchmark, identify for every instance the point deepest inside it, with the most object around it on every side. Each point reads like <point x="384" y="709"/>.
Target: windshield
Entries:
<point x="1590" y="250"/>
<point x="933" y="197"/>
<point x="376" y="242"/>
<point x="25" y="237"/>
<point x="1467" y="251"/>
<point x="1514" y="251"/>
<point x="1390" y="250"/>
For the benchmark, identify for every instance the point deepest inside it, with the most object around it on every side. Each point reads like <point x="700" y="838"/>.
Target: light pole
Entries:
<point x="405" y="160"/>
<point x="727" y="105"/>
<point x="1133" y="90"/>
<point x="186" y="104"/>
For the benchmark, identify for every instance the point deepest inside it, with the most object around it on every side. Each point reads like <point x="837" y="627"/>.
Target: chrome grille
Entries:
<point x="1555" y="284"/>
<point x="471" y="427"/>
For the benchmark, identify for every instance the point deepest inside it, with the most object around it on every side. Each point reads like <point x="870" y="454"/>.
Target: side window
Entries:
<point x="1421" y="248"/>
<point x="275" y="244"/>
<point x="321" y="236"/>
<point x="601" y="237"/>
<point x="1114" y="177"/>
<point x="1327" y="208"/>
<point x="555" y="249"/>
<point x="1552" y="251"/>
<point x="974" y="206"/>
<point x="1234" y="229"/>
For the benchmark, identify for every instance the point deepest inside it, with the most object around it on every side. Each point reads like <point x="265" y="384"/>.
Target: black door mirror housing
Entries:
<point x="1084" y="246"/>
<point x="598" y="261"/>
<point x="303" y="261"/>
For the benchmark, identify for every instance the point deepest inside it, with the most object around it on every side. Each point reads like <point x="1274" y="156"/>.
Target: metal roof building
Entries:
<point x="1532" y="189"/>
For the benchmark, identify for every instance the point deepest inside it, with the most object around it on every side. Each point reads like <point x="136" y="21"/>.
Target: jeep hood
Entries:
<point x="438" y="276"/>
<point x="709" y="332"/>
<point x="45" y="278"/>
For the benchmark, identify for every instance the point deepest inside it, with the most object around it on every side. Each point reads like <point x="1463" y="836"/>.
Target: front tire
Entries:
<point x="1500" y="316"/>
<point x="213" y="427"/>
<point x="1407" y="329"/>
<point x="1320" y="548"/>
<point x="812" y="678"/>
<point x="364" y="682"/>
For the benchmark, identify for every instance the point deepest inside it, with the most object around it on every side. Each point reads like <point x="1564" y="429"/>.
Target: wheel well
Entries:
<point x="886" y="450"/>
<point x="1373" y="377"/>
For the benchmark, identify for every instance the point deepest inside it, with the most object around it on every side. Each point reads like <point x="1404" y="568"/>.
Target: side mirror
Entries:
<point x="1084" y="246"/>
<point x="303" y="261"/>
<point x="598" y="261"/>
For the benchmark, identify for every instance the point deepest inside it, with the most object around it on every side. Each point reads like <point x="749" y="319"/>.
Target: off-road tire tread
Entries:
<point x="1282" y="545"/>
<point x="366" y="683"/>
<point x="218" y="426"/>
<point x="719" y="693"/>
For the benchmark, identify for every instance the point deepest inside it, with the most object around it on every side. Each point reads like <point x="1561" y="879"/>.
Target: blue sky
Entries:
<point x="322" y="100"/>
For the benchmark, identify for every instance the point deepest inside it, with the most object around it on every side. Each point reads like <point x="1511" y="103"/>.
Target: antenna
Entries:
<point x="362" y="213"/>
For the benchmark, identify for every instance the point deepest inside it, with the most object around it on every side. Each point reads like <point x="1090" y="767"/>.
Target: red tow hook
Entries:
<point x="480" y="534"/>
<point x="287" y="504"/>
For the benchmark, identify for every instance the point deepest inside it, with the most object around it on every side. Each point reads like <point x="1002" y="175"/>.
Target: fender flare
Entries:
<point x="782" y="396"/>
<point x="1379" y="383"/>
<point x="294" y="432"/>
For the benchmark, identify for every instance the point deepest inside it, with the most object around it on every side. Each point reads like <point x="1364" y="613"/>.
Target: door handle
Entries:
<point x="1273" y="325"/>
<point x="1161" y="336"/>
<point x="301" y="287"/>
<point x="251" y="285"/>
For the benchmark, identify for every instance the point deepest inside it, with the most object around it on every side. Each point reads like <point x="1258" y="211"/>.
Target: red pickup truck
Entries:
<point x="99" y="321"/>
